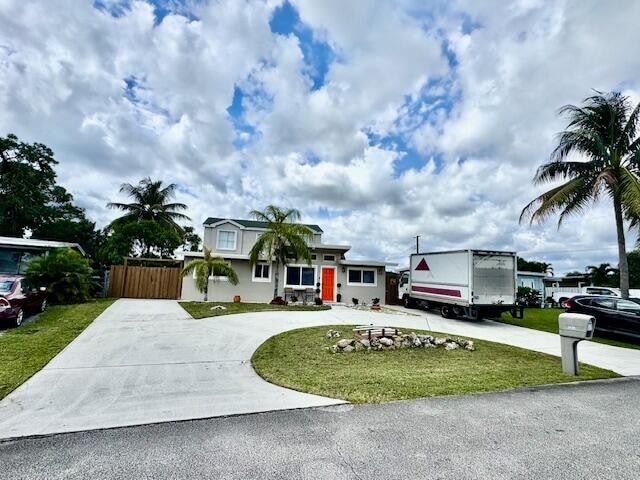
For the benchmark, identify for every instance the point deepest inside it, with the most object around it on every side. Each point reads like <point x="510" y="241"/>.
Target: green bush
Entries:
<point x="65" y="274"/>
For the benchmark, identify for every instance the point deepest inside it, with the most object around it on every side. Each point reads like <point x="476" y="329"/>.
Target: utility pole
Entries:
<point x="417" y="243"/>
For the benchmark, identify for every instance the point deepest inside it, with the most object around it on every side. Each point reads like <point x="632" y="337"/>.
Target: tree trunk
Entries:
<point x="206" y="287"/>
<point x="276" y="279"/>
<point x="623" y="265"/>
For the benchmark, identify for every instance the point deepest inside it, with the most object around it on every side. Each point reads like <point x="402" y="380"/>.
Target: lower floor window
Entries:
<point x="300" y="276"/>
<point x="361" y="276"/>
<point x="261" y="272"/>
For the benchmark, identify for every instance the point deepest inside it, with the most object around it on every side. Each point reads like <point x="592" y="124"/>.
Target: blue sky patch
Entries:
<point x="318" y="55"/>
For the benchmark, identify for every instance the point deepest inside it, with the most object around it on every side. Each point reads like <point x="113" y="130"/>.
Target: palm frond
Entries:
<point x="555" y="200"/>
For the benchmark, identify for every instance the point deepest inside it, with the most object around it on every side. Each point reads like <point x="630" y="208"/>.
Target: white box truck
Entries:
<point x="462" y="283"/>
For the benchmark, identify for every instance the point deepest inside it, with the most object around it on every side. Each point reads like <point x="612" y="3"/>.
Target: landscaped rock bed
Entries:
<point x="392" y="342"/>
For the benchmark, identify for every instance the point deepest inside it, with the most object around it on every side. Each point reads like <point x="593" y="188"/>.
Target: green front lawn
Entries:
<point x="299" y="360"/>
<point x="546" y="320"/>
<point x="204" y="309"/>
<point x="26" y="349"/>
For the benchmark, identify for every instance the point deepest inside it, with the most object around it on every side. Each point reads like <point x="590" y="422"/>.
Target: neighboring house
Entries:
<point x="233" y="239"/>
<point x="567" y="284"/>
<point x="17" y="253"/>
<point x="533" y="280"/>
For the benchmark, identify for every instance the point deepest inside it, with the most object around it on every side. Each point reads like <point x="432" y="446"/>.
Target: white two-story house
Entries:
<point x="330" y="276"/>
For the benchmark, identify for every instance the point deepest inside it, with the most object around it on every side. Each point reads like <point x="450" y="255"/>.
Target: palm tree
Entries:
<point x="150" y="202"/>
<point x="206" y="267"/>
<point x="601" y="274"/>
<point x="548" y="268"/>
<point x="603" y="134"/>
<point x="282" y="240"/>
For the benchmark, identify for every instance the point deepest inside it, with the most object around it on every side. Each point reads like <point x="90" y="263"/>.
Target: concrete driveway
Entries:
<point x="147" y="361"/>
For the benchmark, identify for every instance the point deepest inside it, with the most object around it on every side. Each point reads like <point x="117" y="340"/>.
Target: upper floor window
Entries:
<point x="227" y="240"/>
<point x="329" y="258"/>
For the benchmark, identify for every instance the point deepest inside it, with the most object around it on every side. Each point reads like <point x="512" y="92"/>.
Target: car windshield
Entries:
<point x="5" y="286"/>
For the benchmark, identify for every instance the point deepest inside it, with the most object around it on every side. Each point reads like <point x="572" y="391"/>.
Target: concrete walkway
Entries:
<point x="147" y="361"/>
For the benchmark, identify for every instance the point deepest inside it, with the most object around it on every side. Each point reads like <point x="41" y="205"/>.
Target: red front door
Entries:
<point x="328" y="281"/>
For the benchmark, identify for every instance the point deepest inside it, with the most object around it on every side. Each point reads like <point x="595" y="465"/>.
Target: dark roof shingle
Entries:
<point x="253" y="223"/>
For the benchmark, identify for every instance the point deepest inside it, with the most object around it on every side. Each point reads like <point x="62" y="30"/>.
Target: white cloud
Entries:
<point x="64" y="68"/>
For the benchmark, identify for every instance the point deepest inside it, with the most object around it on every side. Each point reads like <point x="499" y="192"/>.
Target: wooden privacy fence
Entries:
<point x="145" y="282"/>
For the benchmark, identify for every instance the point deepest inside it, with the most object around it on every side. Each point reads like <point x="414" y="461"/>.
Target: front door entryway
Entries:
<point x="328" y="282"/>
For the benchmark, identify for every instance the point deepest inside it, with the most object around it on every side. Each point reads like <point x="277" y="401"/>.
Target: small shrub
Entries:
<point x="278" y="301"/>
<point x="318" y="301"/>
<point x="65" y="273"/>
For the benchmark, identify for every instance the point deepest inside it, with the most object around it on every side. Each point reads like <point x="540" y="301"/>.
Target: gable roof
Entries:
<point x="252" y="223"/>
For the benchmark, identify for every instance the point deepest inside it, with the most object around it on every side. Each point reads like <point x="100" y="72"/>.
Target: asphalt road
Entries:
<point x="587" y="430"/>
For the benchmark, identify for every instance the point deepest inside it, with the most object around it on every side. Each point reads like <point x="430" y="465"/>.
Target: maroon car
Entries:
<point x="18" y="297"/>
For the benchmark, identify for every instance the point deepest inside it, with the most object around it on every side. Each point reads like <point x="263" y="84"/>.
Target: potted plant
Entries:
<point x="339" y="295"/>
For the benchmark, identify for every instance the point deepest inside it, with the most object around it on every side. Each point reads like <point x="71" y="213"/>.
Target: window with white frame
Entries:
<point x="300" y="276"/>
<point x="361" y="277"/>
<point x="261" y="273"/>
<point x="329" y="258"/>
<point x="214" y="277"/>
<point x="227" y="239"/>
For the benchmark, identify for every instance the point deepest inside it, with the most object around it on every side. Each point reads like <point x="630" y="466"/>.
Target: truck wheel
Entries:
<point x="447" y="312"/>
<point x="408" y="302"/>
<point x="562" y="301"/>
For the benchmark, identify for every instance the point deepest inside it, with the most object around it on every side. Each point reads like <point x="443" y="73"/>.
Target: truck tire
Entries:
<point x="447" y="312"/>
<point x="561" y="301"/>
<point x="408" y="302"/>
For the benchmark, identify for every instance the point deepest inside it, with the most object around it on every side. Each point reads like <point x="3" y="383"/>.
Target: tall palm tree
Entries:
<point x="601" y="274"/>
<point x="206" y="267"/>
<point x="282" y="241"/>
<point x="602" y="134"/>
<point x="548" y="268"/>
<point x="151" y="201"/>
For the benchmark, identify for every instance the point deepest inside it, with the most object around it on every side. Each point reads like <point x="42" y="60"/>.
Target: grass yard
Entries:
<point x="26" y="349"/>
<point x="546" y="319"/>
<point x="203" y="309"/>
<point x="299" y="360"/>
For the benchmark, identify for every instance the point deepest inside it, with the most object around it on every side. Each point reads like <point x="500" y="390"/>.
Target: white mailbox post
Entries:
<point x="574" y="327"/>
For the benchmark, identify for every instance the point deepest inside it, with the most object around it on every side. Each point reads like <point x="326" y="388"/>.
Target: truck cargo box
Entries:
<point x="478" y="279"/>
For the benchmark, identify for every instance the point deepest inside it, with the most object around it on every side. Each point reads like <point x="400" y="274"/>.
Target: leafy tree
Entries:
<point x="603" y="134"/>
<point x="145" y="238"/>
<point x="633" y="259"/>
<point x="31" y="199"/>
<point x="191" y="240"/>
<point x="575" y="273"/>
<point x="534" y="266"/>
<point x="602" y="274"/>
<point x="209" y="266"/>
<point x="65" y="274"/>
<point x="282" y="240"/>
<point x="151" y="201"/>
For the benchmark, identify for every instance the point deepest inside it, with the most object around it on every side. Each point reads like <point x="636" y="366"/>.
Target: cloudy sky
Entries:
<point x="379" y="120"/>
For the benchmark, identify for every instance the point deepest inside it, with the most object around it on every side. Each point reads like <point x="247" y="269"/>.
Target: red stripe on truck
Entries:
<point x="437" y="291"/>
